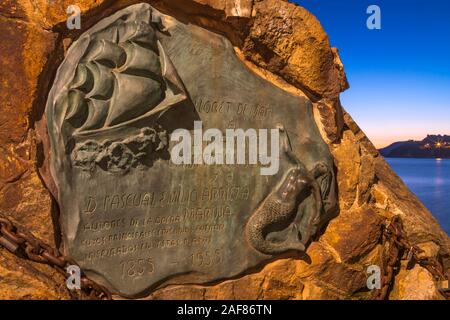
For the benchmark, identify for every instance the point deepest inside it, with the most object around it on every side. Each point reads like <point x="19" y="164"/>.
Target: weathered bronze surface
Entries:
<point x="131" y="218"/>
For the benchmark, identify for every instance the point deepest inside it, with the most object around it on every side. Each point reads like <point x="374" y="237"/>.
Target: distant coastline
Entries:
<point x="432" y="147"/>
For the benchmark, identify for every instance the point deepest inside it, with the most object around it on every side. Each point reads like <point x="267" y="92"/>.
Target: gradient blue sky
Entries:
<point x="399" y="75"/>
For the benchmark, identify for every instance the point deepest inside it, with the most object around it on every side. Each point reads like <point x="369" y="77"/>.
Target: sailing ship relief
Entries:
<point x="120" y="83"/>
<point x="122" y="80"/>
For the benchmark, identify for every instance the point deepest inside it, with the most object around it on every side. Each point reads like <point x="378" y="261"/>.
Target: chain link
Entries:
<point x="24" y="244"/>
<point x="395" y="243"/>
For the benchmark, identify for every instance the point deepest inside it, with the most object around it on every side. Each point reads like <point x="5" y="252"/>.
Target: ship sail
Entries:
<point x="89" y="96"/>
<point x="140" y="61"/>
<point x="140" y="33"/>
<point x="78" y="108"/>
<point x="98" y="111"/>
<point x="103" y="81"/>
<point x="119" y="82"/>
<point x="170" y="74"/>
<point x="133" y="97"/>
<point x="106" y="53"/>
<point x="84" y="79"/>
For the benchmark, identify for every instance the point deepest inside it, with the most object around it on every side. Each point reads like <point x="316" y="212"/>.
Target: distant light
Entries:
<point x="438" y="159"/>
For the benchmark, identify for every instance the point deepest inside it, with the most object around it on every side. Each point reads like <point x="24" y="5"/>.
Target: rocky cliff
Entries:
<point x="282" y="43"/>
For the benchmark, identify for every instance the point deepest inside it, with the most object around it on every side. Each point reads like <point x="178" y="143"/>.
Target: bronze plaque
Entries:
<point x="132" y="217"/>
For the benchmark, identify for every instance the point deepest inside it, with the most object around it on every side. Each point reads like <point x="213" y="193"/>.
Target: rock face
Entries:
<point x="280" y="42"/>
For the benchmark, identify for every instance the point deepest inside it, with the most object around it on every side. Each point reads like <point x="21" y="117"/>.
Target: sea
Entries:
<point x="429" y="179"/>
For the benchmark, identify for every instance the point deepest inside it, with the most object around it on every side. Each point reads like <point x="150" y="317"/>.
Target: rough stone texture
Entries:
<point x="415" y="284"/>
<point x="282" y="43"/>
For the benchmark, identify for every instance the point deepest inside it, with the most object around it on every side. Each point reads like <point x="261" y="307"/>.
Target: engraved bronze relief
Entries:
<point x="279" y="209"/>
<point x="133" y="219"/>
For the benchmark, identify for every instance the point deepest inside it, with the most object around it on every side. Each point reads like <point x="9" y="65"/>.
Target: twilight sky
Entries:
<point x="399" y="75"/>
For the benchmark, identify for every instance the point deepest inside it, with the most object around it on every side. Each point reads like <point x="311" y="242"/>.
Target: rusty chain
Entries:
<point x="396" y="244"/>
<point x="394" y="239"/>
<point x="25" y="245"/>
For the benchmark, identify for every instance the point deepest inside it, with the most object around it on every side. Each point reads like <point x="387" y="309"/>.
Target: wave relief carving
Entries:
<point x="121" y="156"/>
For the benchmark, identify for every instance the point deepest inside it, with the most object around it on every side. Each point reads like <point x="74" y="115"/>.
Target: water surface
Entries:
<point x="429" y="179"/>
